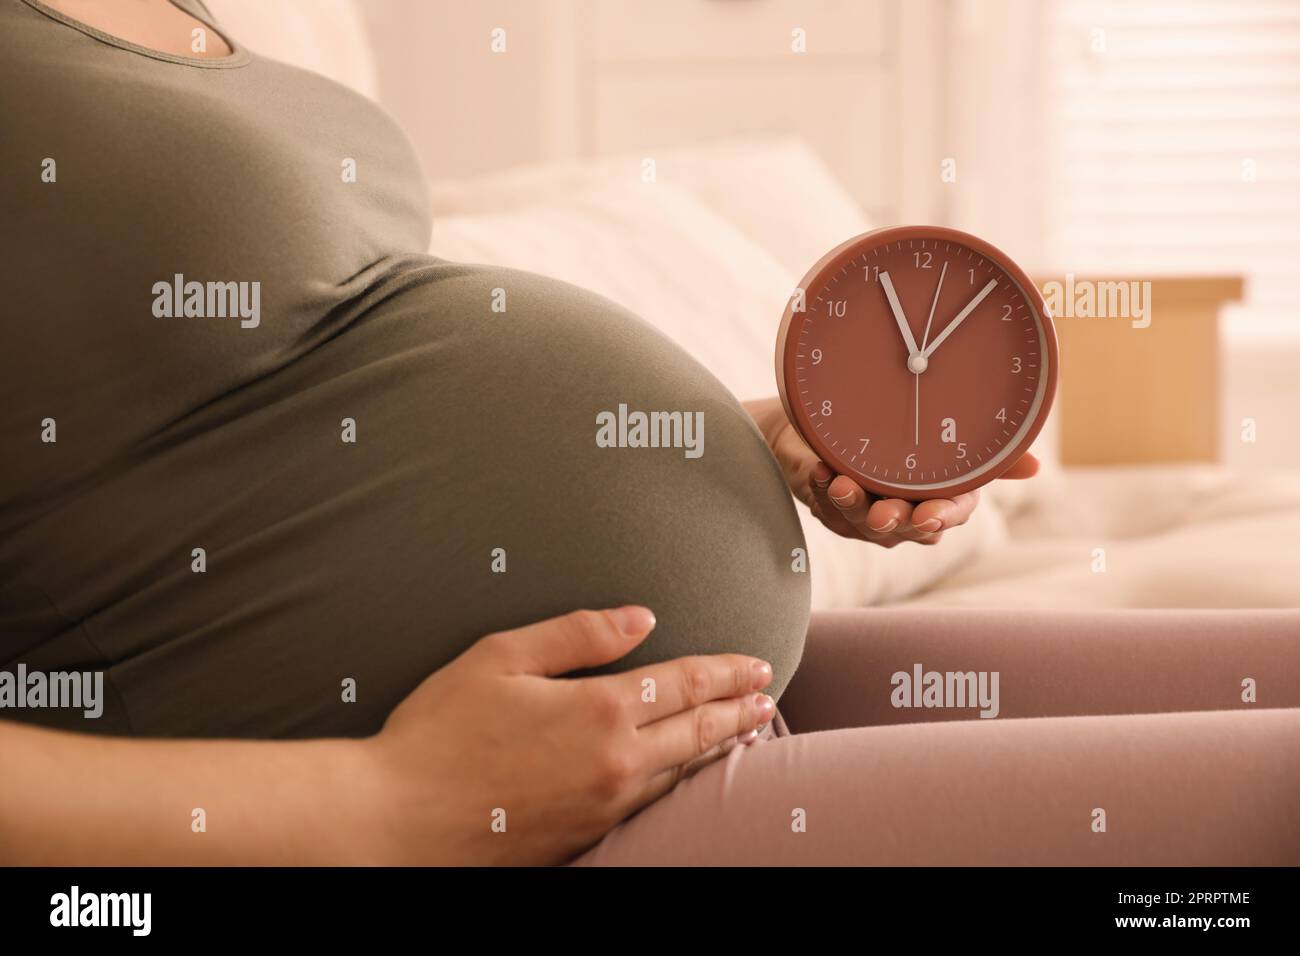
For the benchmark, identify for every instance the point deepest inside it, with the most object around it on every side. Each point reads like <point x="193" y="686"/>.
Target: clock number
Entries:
<point x="867" y="274"/>
<point x="1015" y="364"/>
<point x="922" y="259"/>
<point x="972" y="276"/>
<point x="836" y="307"/>
<point x="1001" y="415"/>
<point x="826" y="408"/>
<point x="961" y="450"/>
<point x="910" y="461"/>
<point x="1006" y="313"/>
<point x="865" y="443"/>
<point x="817" y="356"/>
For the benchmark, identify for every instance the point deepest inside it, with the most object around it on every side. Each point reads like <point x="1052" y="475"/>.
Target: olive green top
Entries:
<point x="257" y="447"/>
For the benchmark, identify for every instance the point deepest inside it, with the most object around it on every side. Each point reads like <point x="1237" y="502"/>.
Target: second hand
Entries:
<point x="916" y="417"/>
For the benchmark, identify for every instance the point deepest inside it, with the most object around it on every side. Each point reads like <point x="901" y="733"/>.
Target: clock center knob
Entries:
<point x="917" y="363"/>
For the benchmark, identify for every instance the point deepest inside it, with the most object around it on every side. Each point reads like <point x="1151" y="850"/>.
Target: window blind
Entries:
<point x="1174" y="145"/>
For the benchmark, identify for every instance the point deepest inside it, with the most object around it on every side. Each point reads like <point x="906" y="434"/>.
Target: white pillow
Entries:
<point x="653" y="249"/>
<point x="775" y="192"/>
<point x="656" y="250"/>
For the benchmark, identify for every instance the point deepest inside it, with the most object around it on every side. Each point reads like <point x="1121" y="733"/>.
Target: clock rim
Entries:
<point x="886" y="235"/>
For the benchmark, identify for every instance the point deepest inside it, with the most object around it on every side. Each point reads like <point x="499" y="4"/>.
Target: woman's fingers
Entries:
<point x="696" y="710"/>
<point x="825" y="509"/>
<point x="848" y="510"/>
<point x="569" y="642"/>
<point x="850" y="500"/>
<point x="663" y="781"/>
<point x="888" y="521"/>
<point x="872" y="519"/>
<point x="939" y="514"/>
<point x="821" y="475"/>
<point x="675" y="742"/>
<point x="799" y="465"/>
<point x="887" y="515"/>
<point x="845" y="508"/>
<point x="687" y="682"/>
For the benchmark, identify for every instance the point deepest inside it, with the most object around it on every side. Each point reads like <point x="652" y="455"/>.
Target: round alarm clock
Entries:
<point x="919" y="361"/>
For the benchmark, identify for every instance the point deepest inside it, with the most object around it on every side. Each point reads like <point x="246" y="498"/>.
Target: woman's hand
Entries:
<point x="842" y="505"/>
<point x="494" y="760"/>
<point x="493" y="730"/>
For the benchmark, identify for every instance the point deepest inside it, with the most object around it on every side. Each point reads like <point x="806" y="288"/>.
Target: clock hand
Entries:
<point x="961" y="317"/>
<point x="897" y="309"/>
<point x="916" y="415"/>
<point x="938" y="287"/>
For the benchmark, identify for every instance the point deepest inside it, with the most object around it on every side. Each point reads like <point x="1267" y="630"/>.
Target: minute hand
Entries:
<point x="961" y="317"/>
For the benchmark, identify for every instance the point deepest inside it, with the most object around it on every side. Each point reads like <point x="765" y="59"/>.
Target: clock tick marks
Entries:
<point x="853" y="346"/>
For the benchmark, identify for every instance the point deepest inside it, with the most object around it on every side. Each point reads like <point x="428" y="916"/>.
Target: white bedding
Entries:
<point x="1170" y="536"/>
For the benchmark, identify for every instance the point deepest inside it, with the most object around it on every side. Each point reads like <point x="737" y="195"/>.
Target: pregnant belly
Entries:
<point x="474" y="496"/>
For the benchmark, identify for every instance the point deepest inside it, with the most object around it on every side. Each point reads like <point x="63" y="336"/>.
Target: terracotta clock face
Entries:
<point x="921" y="361"/>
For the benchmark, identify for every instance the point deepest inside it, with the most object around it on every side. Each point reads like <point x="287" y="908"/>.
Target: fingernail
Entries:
<point x="822" y="482"/>
<point x="842" y="501"/>
<point x="929" y="527"/>
<point x="889" y="525"/>
<point x="764" y="704"/>
<point x="748" y="737"/>
<point x="633" y="620"/>
<point x="762" y="673"/>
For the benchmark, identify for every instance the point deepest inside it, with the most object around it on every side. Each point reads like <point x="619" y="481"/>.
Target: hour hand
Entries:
<point x="908" y="339"/>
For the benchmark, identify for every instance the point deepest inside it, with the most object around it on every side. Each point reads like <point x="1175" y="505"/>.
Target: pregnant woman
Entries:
<point x="320" y="508"/>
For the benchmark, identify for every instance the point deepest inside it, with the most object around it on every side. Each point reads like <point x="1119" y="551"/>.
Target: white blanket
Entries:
<point x="1155" y="536"/>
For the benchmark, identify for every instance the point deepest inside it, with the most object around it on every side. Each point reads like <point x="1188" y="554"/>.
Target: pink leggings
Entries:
<point x="1122" y="738"/>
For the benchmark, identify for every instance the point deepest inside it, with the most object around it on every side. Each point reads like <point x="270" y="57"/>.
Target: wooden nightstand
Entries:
<point x="1129" y="394"/>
